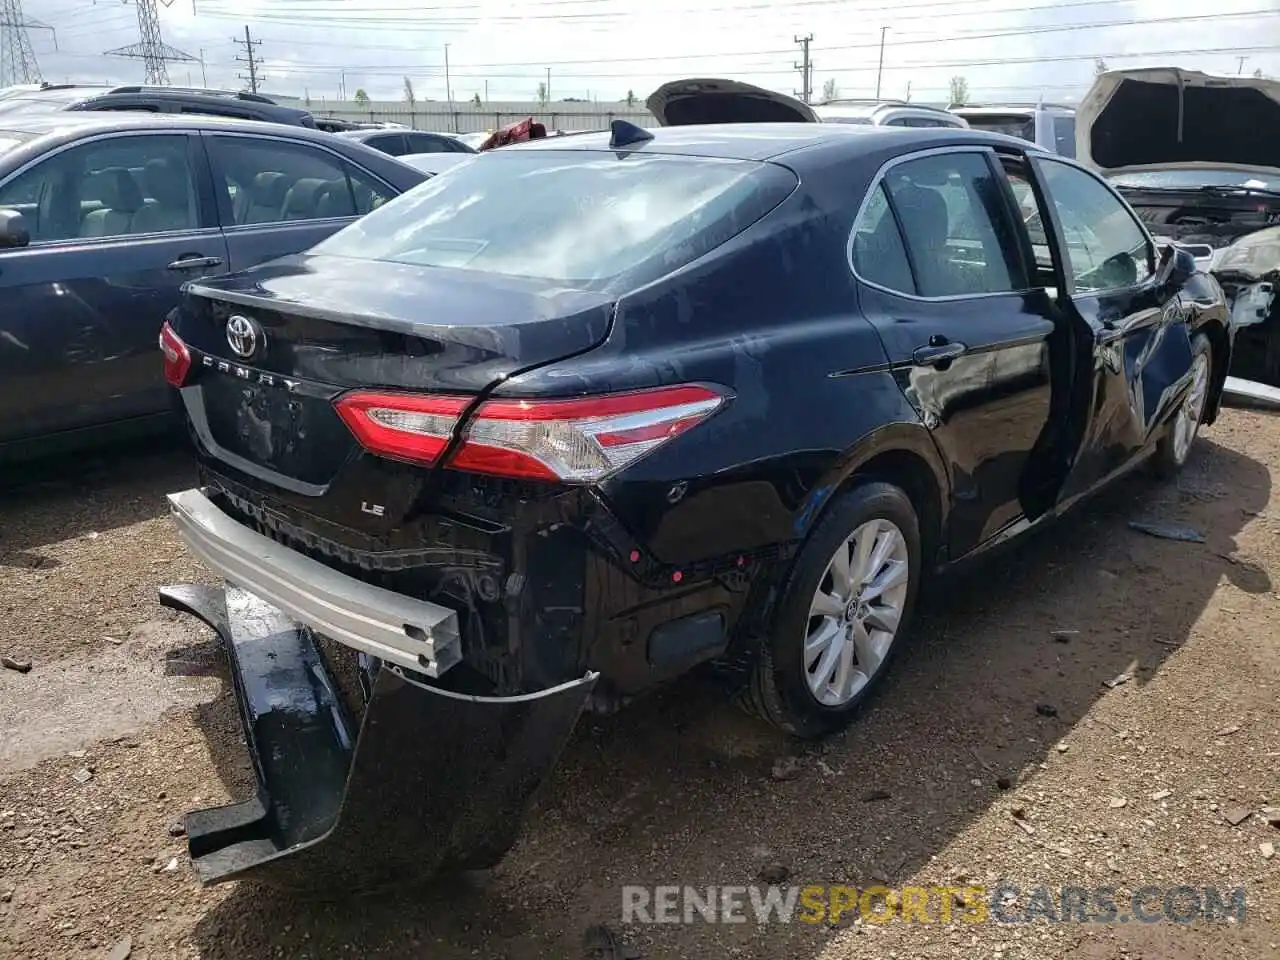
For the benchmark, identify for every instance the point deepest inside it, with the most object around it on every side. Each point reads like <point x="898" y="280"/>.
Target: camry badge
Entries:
<point x="244" y="336"/>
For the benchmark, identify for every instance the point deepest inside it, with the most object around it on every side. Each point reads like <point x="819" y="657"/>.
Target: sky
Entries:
<point x="601" y="49"/>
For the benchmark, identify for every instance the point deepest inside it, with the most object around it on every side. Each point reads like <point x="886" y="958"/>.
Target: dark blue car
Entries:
<point x="114" y="214"/>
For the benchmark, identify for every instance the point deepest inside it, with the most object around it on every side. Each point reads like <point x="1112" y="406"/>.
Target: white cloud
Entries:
<point x="603" y="48"/>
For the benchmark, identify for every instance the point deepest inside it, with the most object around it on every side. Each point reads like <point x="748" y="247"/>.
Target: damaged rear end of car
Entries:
<point x="425" y="580"/>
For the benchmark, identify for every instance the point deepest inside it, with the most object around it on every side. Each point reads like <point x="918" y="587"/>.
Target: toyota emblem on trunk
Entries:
<point x="244" y="335"/>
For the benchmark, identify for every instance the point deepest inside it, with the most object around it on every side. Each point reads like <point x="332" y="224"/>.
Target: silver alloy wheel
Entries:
<point x="1187" y="420"/>
<point x="854" y="617"/>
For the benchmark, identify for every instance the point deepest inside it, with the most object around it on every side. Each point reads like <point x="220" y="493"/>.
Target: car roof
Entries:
<point x="767" y="141"/>
<point x="76" y="122"/>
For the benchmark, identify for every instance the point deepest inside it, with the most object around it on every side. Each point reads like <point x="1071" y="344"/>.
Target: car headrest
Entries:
<point x="923" y="213"/>
<point x="115" y="188"/>
<point x="301" y="197"/>
<point x="268" y="189"/>
<point x="166" y="182"/>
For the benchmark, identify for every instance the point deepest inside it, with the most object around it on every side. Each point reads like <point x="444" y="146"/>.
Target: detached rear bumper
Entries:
<point x="431" y="780"/>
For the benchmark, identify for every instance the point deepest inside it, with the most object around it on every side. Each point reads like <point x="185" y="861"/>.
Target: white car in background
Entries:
<point x="433" y="163"/>
<point x="1048" y="125"/>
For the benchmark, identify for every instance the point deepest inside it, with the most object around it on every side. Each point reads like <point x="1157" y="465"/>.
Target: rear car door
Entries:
<point x="1139" y="343"/>
<point x="118" y="223"/>
<point x="946" y="283"/>
<point x="278" y="196"/>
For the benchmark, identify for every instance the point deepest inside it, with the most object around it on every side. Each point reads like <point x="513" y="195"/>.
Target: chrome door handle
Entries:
<point x="936" y="353"/>
<point x="195" y="263"/>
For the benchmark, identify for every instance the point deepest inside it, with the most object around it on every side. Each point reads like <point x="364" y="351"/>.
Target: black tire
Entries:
<point x="778" y="691"/>
<point x="1168" y="462"/>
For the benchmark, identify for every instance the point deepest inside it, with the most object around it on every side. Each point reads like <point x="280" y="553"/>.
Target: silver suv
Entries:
<point x="886" y="113"/>
<point x="1049" y="125"/>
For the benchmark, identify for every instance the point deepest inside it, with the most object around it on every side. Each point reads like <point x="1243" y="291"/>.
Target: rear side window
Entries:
<point x="957" y="235"/>
<point x="1064" y="136"/>
<point x="1021" y="125"/>
<point x="391" y="144"/>
<point x="586" y="219"/>
<point x="273" y="181"/>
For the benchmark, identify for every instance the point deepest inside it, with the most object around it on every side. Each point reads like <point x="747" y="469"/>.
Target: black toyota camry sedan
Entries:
<point x="582" y="413"/>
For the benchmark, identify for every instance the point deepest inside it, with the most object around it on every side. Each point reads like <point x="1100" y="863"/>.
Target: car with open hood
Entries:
<point x="583" y="413"/>
<point x="1198" y="158"/>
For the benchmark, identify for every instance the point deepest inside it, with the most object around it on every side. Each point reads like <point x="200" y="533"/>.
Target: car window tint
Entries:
<point x="1106" y="248"/>
<point x="578" y="218"/>
<point x="274" y="181"/>
<point x="951" y="209"/>
<point x="879" y="256"/>
<point x="1064" y="135"/>
<point x="419" y="143"/>
<point x="391" y="144"/>
<point x="109" y="188"/>
<point x="1029" y="212"/>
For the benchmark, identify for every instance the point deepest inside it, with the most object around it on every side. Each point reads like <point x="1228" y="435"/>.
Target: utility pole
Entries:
<point x="151" y="49"/>
<point x="548" y="86"/>
<point x="17" y="58"/>
<point x="448" y="91"/>
<point x="1240" y="68"/>
<point x="805" y="68"/>
<point x="248" y="59"/>
<point x="880" y="69"/>
<point x="204" y="75"/>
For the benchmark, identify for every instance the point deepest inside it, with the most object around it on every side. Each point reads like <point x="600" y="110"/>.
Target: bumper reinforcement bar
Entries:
<point x="412" y="633"/>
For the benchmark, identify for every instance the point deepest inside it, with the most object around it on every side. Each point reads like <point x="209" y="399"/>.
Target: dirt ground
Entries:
<point x="999" y="751"/>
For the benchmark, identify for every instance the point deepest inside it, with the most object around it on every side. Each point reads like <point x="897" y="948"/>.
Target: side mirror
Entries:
<point x="1175" y="267"/>
<point x="13" y="230"/>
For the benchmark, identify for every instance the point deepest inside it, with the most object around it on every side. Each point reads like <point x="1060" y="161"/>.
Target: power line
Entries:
<point x="899" y="41"/>
<point x="861" y="67"/>
<point x="17" y="56"/>
<point x="151" y="49"/>
<point x="249" y="44"/>
<point x="420" y="19"/>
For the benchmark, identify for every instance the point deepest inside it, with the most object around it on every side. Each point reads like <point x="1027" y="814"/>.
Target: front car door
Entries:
<point x="945" y="280"/>
<point x="118" y="223"/>
<point x="278" y="196"/>
<point x="1136" y="329"/>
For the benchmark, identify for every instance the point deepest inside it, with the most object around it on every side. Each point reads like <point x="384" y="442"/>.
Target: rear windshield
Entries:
<point x="1021" y="125"/>
<point x="584" y="219"/>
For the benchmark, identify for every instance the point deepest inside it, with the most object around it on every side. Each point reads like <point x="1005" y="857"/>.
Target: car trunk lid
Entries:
<point x="693" y="101"/>
<point x="324" y="325"/>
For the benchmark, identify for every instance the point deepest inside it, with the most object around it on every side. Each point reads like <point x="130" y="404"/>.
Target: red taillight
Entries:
<point x="402" y="425"/>
<point x="580" y="440"/>
<point x="177" y="359"/>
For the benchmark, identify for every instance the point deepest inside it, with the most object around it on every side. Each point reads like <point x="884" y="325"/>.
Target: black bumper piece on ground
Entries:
<point x="432" y="781"/>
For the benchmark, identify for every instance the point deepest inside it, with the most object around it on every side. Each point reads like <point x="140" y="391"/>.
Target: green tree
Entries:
<point x="361" y="96"/>
<point x="475" y="101"/>
<point x="409" y="96"/>
<point x="542" y="94"/>
<point x="829" y="89"/>
<point x="1099" y="67"/>
<point x="1258" y="73"/>
<point x="631" y="98"/>
<point x="959" y="91"/>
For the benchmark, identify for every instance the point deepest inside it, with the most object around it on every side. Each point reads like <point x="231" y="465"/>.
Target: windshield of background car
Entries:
<point x="1022" y="125"/>
<point x="581" y="218"/>
<point x="1194" y="179"/>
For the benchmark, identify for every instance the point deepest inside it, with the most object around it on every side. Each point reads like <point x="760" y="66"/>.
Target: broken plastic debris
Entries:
<point x="1168" y="531"/>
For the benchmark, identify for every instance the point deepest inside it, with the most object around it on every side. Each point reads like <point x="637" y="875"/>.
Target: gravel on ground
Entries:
<point x="1099" y="708"/>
